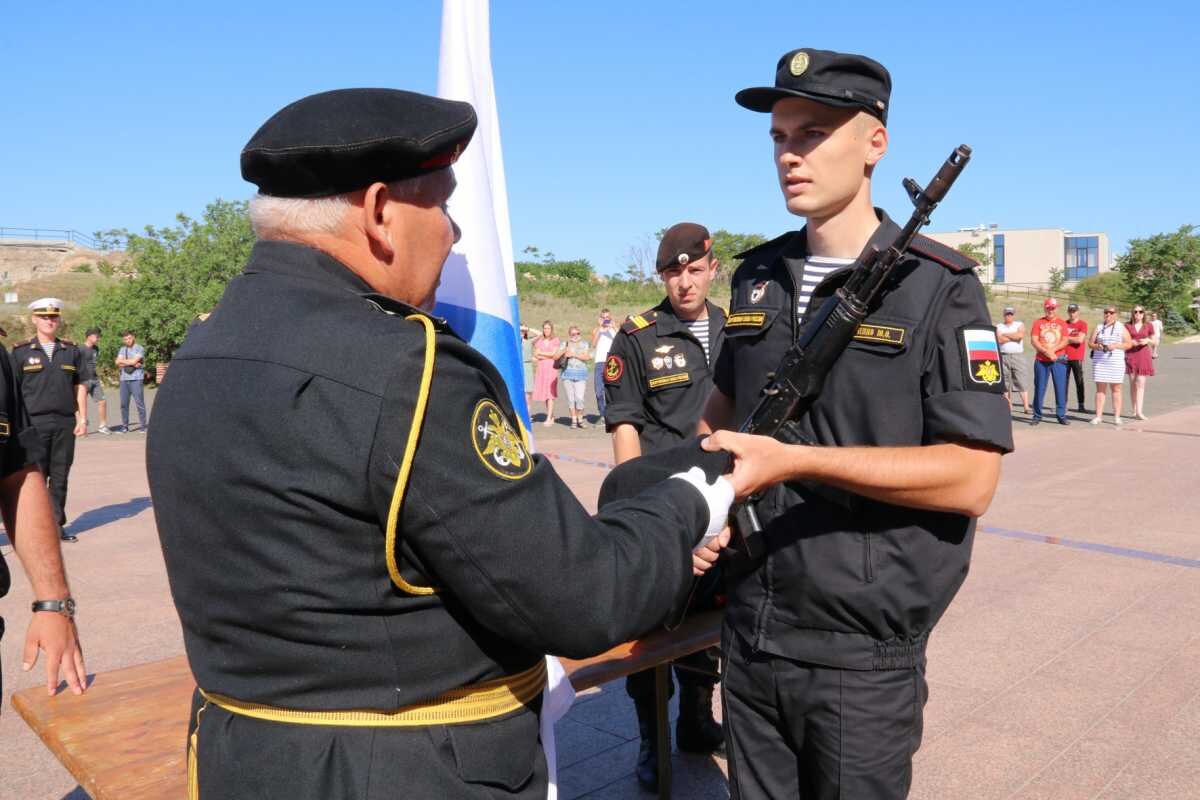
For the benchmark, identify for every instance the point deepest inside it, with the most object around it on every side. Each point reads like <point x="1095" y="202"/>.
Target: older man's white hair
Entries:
<point x="292" y="217"/>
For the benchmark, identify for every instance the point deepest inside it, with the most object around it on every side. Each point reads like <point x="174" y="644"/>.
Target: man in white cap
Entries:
<point x="48" y="372"/>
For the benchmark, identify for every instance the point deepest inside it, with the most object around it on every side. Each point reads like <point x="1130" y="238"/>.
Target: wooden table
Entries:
<point x="124" y="738"/>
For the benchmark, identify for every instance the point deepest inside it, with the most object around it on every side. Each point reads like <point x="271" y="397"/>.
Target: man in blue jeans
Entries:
<point x="131" y="359"/>
<point x="1049" y="337"/>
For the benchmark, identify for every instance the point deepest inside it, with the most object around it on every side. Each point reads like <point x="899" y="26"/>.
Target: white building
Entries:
<point x="1025" y="256"/>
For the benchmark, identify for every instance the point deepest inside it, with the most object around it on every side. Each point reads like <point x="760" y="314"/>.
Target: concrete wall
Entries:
<point x="21" y="260"/>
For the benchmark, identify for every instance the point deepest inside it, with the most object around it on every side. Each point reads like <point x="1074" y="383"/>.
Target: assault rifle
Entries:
<point x="796" y="383"/>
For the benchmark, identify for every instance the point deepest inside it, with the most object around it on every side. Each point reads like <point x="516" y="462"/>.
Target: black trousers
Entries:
<point x="1075" y="369"/>
<point x="640" y="685"/>
<point x="818" y="733"/>
<point x="58" y="453"/>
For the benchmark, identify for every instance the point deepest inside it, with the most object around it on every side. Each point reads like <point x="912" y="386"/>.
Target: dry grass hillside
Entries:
<point x="73" y="288"/>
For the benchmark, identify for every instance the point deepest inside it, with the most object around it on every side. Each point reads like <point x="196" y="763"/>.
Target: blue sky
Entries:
<point x="617" y="118"/>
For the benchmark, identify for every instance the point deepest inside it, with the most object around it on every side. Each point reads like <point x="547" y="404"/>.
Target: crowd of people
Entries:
<point x="551" y="363"/>
<point x="1116" y="349"/>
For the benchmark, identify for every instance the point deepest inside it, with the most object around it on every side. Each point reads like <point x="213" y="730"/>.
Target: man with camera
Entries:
<point x="131" y="360"/>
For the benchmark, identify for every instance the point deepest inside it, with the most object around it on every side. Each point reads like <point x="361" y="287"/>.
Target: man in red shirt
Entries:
<point x="1050" y="340"/>
<point x="1077" y="330"/>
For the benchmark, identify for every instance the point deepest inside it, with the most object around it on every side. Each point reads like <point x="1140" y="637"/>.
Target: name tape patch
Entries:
<point x="746" y="319"/>
<point x="670" y="380"/>
<point x="883" y="334"/>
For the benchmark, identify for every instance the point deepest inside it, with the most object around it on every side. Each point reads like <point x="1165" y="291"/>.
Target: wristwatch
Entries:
<point x="64" y="607"/>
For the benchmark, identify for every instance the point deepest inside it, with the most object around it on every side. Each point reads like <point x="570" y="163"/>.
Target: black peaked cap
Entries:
<point x="835" y="79"/>
<point x="346" y="139"/>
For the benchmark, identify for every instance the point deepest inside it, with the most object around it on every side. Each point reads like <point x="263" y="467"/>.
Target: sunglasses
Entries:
<point x="1138" y="311"/>
<point x="1110" y="311"/>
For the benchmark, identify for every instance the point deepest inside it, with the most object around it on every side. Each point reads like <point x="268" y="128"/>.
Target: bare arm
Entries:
<point x="955" y="478"/>
<point x="626" y="444"/>
<point x="29" y="519"/>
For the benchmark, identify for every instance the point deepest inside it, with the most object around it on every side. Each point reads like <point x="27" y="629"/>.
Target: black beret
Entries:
<point x="339" y="141"/>
<point x="835" y="79"/>
<point x="682" y="244"/>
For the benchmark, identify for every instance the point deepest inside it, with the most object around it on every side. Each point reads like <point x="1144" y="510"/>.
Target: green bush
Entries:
<point x="1099" y="290"/>
<point x="81" y="268"/>
<point x="1176" y="324"/>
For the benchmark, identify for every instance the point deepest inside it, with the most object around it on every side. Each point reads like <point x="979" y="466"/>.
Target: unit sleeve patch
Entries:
<point x="614" y="368"/>
<point x="497" y="442"/>
<point x="981" y="359"/>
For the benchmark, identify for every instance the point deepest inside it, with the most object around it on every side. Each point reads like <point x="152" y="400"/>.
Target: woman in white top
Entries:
<point x="1109" y="343"/>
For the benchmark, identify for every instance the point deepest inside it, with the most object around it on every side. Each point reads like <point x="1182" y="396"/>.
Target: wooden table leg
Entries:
<point x="662" y="694"/>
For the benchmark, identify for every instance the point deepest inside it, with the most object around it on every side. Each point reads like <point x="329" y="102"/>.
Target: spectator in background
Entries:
<point x="1011" y="336"/>
<point x="546" y="349"/>
<point x="527" y="339"/>
<point x="1108" y="345"/>
<point x="574" y="376"/>
<point x="91" y="377"/>
<point x="1049" y="337"/>
<point x="131" y="361"/>
<point x="1157" y="324"/>
<point x="1076" y="343"/>
<point x="1139" y="361"/>
<point x="602" y="339"/>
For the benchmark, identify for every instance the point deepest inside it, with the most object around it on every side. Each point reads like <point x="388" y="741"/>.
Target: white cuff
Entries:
<point x="718" y="495"/>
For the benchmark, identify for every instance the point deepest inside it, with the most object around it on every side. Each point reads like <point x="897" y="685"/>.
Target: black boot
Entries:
<point x="696" y="731"/>
<point x="647" y="760"/>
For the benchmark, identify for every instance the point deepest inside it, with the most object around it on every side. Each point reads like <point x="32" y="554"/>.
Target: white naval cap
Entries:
<point x="47" y="306"/>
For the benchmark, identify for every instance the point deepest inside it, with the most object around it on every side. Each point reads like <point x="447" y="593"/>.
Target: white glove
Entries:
<point x="718" y="495"/>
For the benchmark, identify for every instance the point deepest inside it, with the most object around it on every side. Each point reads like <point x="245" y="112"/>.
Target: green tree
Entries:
<point x="1058" y="279"/>
<point x="977" y="251"/>
<point x="1101" y="289"/>
<point x="1160" y="272"/>
<point x="171" y="275"/>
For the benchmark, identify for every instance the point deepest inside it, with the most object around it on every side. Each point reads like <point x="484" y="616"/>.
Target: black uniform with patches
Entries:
<point x="842" y="606"/>
<point x="663" y="401"/>
<point x="48" y="387"/>
<point x="272" y="462"/>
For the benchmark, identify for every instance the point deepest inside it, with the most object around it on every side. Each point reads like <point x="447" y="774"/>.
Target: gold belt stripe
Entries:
<point x="473" y="703"/>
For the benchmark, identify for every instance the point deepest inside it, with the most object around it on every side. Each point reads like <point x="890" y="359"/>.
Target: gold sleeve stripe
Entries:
<point x="410" y="451"/>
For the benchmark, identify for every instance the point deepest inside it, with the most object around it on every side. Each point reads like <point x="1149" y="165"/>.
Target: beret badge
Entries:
<point x="684" y="259"/>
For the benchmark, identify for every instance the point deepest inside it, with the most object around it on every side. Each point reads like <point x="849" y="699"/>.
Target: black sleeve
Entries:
<point x="498" y="529"/>
<point x="963" y="398"/>
<point x="624" y="384"/>
<point x="20" y="441"/>
<point x="723" y="369"/>
<point x="77" y="361"/>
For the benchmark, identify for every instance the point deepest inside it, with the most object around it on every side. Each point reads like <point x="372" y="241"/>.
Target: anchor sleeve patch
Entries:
<point x="497" y="443"/>
<point x="614" y="368"/>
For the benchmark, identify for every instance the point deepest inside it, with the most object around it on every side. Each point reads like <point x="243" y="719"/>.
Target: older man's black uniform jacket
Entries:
<point x="284" y="450"/>
<point x="656" y="377"/>
<point x="851" y="582"/>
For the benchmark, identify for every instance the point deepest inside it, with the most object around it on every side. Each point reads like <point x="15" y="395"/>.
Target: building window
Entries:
<point x="1082" y="257"/>
<point x="998" y="258"/>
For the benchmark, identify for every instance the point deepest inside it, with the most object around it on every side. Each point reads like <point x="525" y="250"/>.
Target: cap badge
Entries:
<point x="799" y="64"/>
<point x="684" y="258"/>
<point x="756" y="294"/>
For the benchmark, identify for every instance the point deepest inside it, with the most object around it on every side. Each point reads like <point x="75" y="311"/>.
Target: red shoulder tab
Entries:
<point x="943" y="254"/>
<point x="640" y="321"/>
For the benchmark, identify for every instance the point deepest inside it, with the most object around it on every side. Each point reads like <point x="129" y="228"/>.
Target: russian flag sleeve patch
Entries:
<point x="981" y="358"/>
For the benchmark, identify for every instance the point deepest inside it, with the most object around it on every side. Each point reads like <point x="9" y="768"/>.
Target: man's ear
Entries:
<point x="877" y="144"/>
<point x="376" y="211"/>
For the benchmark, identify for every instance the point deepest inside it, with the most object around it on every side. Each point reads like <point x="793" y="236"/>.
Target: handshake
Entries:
<point x="724" y="467"/>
